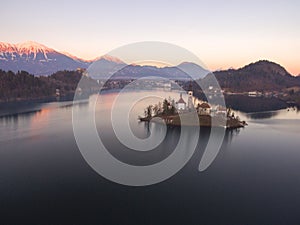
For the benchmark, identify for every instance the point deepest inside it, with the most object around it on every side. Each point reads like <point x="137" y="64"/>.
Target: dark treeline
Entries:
<point x="253" y="104"/>
<point x="24" y="86"/>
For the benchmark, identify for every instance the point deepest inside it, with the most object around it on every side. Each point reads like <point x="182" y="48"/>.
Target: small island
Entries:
<point x="170" y="112"/>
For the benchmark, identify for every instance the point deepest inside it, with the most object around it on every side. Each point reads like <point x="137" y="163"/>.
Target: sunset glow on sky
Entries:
<point x="222" y="34"/>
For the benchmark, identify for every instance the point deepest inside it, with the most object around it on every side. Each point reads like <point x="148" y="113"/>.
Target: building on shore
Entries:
<point x="57" y="92"/>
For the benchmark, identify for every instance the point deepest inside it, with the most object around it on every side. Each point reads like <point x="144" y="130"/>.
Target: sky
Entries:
<point x="222" y="34"/>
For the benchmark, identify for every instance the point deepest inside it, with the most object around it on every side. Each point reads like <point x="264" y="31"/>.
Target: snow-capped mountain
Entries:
<point x="39" y="59"/>
<point x="36" y="59"/>
<point x="32" y="49"/>
<point x="110" y="58"/>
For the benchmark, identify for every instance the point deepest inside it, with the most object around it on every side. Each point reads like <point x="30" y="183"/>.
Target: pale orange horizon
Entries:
<point x="214" y="59"/>
<point x="222" y="34"/>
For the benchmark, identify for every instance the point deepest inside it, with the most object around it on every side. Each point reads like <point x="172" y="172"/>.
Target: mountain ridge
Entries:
<point x="39" y="59"/>
<point x="262" y="75"/>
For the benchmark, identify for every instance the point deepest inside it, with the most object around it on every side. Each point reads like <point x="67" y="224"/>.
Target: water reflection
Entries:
<point x="29" y="121"/>
<point x="262" y="115"/>
<point x="287" y="113"/>
<point x="46" y="117"/>
<point x="231" y="134"/>
<point x="257" y="166"/>
<point x="132" y="157"/>
<point x="14" y="118"/>
<point x="23" y="124"/>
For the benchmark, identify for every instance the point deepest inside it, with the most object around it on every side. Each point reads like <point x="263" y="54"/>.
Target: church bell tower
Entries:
<point x="190" y="97"/>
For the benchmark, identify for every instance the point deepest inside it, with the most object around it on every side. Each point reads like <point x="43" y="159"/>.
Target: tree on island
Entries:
<point x="166" y="108"/>
<point x="156" y="109"/>
<point x="148" y="111"/>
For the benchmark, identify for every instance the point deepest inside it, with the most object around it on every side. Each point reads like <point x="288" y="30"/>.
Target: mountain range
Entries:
<point x="38" y="59"/>
<point x="102" y="69"/>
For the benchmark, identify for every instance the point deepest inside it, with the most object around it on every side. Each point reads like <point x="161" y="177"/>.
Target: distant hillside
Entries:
<point x="136" y="71"/>
<point x="260" y="76"/>
<point x="24" y="86"/>
<point x="104" y="68"/>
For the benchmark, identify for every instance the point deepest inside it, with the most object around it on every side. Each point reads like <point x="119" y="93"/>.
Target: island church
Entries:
<point x="192" y="103"/>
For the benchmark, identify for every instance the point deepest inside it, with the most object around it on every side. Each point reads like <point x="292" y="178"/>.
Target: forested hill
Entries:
<point x="259" y="76"/>
<point x="24" y="86"/>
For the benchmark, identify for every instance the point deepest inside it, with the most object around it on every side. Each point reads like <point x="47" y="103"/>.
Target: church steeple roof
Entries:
<point x="181" y="99"/>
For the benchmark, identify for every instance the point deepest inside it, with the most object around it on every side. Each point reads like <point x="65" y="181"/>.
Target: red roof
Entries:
<point x="181" y="101"/>
<point x="205" y="105"/>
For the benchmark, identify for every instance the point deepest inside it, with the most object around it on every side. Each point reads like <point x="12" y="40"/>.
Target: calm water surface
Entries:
<point x="44" y="179"/>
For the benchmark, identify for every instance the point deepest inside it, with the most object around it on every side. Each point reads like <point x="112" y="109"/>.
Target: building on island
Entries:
<point x="180" y="105"/>
<point x="190" y="100"/>
<point x="204" y="108"/>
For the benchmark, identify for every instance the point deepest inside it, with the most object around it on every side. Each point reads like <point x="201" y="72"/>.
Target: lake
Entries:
<point x="44" y="178"/>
